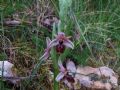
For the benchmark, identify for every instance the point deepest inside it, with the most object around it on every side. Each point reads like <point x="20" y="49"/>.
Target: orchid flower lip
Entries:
<point x="68" y="84"/>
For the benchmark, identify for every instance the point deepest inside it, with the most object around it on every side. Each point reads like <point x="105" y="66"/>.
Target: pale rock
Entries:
<point x="5" y="69"/>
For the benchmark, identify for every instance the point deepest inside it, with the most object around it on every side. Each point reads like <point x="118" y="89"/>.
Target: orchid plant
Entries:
<point x="59" y="44"/>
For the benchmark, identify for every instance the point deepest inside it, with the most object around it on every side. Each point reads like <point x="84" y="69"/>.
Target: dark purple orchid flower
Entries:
<point x="66" y="74"/>
<point x="61" y="41"/>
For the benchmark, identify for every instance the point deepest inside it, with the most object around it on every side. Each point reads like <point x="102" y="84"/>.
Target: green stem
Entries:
<point x="56" y="84"/>
<point x="55" y="66"/>
<point x="54" y="59"/>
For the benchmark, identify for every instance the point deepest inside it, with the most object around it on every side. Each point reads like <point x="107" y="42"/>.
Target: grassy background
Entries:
<point x="93" y="25"/>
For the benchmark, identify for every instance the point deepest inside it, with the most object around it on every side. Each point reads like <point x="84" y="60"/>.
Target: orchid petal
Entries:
<point x="53" y="43"/>
<point x="62" y="69"/>
<point x="60" y="76"/>
<point x="70" y="66"/>
<point x="61" y="33"/>
<point x="44" y="56"/>
<point x="48" y="41"/>
<point x="68" y="43"/>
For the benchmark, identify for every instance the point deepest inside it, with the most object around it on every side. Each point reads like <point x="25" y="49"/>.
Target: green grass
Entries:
<point x="96" y="22"/>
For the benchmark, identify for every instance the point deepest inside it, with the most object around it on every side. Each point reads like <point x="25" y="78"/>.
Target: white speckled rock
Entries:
<point x="5" y="69"/>
<point x="101" y="78"/>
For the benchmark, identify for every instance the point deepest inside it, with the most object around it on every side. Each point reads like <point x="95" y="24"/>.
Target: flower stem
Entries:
<point x="55" y="66"/>
<point x="54" y="58"/>
<point x="56" y="84"/>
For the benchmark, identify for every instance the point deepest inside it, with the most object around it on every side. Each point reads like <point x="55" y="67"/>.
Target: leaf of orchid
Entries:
<point x="62" y="69"/>
<point x="70" y="66"/>
<point x="53" y="43"/>
<point x="48" y="41"/>
<point x="68" y="43"/>
<point x="60" y="76"/>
